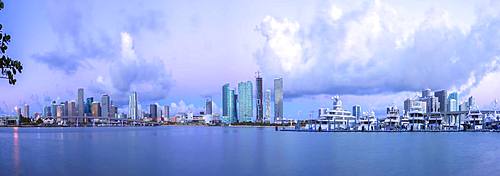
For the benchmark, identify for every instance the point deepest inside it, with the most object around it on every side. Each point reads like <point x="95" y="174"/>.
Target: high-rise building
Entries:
<point x="426" y="93"/>
<point x="96" y="109"/>
<point x="278" y="99"/>
<point x="53" y="109"/>
<point x="226" y="100"/>
<point x="47" y="111"/>
<point x="356" y="111"/>
<point x="72" y="108"/>
<point x="88" y="106"/>
<point x="59" y="110"/>
<point x="471" y="102"/>
<point x="133" y="110"/>
<point x="166" y="112"/>
<point x="442" y="97"/>
<point x="233" y="113"/>
<point x="18" y="111"/>
<point x="453" y="102"/>
<point x="81" y="106"/>
<point x="65" y="108"/>
<point x="245" y="103"/>
<point x="259" y="99"/>
<point x="267" y="98"/>
<point x="105" y="105"/>
<point x="26" y="112"/>
<point x="153" y="111"/>
<point x="208" y="106"/>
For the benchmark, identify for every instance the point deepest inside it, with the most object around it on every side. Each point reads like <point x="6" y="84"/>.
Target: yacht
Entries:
<point x="336" y="118"/>
<point x="368" y="122"/>
<point x="474" y="119"/>
<point x="416" y="120"/>
<point x="392" y="121"/>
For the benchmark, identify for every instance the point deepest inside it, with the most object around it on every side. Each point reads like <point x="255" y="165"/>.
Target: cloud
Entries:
<point x="182" y="107"/>
<point x="375" y="50"/>
<point x="148" y="77"/>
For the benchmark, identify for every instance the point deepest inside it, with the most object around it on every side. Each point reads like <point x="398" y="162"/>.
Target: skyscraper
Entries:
<point x="356" y="111"/>
<point x="96" y="109"/>
<point x="225" y="100"/>
<point x="88" y="106"/>
<point x="133" y="111"/>
<point x="278" y="99"/>
<point x="72" y="108"/>
<point x="166" y="112"/>
<point x="245" y="103"/>
<point x="259" y="103"/>
<point x="208" y="106"/>
<point x="53" y="109"/>
<point x="105" y="105"/>
<point x="80" y="102"/>
<point x="267" y="98"/>
<point x="233" y="113"/>
<point x="442" y="97"/>
<point x="153" y="111"/>
<point x="453" y="102"/>
<point x="26" y="112"/>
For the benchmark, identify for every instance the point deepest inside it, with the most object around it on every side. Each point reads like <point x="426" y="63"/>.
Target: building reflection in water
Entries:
<point x="15" y="147"/>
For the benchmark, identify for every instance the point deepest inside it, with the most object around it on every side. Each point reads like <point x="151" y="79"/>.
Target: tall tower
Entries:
<point x="278" y="99"/>
<point x="225" y="100"/>
<point x="208" y="106"/>
<point x="245" y="103"/>
<point x="259" y="103"/>
<point x="80" y="103"/>
<point x="26" y="112"/>
<point x="105" y="105"/>
<point x="133" y="110"/>
<point x="267" y="98"/>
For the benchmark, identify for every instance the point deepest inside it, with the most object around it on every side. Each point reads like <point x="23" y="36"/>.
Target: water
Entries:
<point x="242" y="151"/>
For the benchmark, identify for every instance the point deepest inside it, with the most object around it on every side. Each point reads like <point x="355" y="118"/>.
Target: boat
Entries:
<point x="368" y="122"/>
<point x="336" y="118"/>
<point x="474" y="119"/>
<point x="392" y="121"/>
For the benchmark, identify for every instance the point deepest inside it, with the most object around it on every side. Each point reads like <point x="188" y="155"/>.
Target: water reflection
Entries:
<point x="15" y="147"/>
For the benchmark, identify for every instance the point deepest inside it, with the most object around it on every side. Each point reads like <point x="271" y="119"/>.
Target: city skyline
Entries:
<point x="279" y="42"/>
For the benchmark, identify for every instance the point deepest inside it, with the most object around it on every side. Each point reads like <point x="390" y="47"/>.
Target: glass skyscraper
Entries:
<point x="80" y="104"/>
<point x="245" y="103"/>
<point x="133" y="110"/>
<point x="453" y="102"/>
<point x="278" y="99"/>
<point x="105" y="105"/>
<point x="259" y="103"/>
<point x="225" y="100"/>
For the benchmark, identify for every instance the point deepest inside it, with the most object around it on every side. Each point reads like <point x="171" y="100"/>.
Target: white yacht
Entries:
<point x="416" y="120"/>
<point x="392" y="121"/>
<point x="474" y="119"/>
<point x="367" y="122"/>
<point x="336" y="118"/>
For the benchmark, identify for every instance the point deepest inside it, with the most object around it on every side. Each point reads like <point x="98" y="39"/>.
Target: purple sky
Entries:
<point x="372" y="53"/>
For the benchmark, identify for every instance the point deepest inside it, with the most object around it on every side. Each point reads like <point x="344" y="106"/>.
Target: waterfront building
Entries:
<point x="53" y="108"/>
<point x="442" y="98"/>
<point x="47" y="111"/>
<point x="59" y="110"/>
<point x="88" y="107"/>
<point x="113" y="111"/>
<point x="133" y="111"/>
<point x="356" y="112"/>
<point x="267" y="98"/>
<point x="80" y="104"/>
<point x="433" y="104"/>
<point x="166" y="112"/>
<point x="226" y="99"/>
<point x="426" y="93"/>
<point x="105" y="105"/>
<point x="153" y="111"/>
<point x="259" y="99"/>
<point x="208" y="106"/>
<point x="26" y="111"/>
<point x="18" y="111"/>
<point x="337" y="117"/>
<point x="245" y="103"/>
<point x="278" y="99"/>
<point x="65" y="108"/>
<point x="72" y="108"/>
<point x="233" y="113"/>
<point x="471" y="102"/>
<point x="453" y="102"/>
<point x="96" y="109"/>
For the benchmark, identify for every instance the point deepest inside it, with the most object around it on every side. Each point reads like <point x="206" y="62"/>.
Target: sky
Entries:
<point x="372" y="53"/>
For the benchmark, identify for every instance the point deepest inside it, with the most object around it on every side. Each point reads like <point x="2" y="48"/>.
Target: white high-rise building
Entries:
<point x="133" y="110"/>
<point x="267" y="98"/>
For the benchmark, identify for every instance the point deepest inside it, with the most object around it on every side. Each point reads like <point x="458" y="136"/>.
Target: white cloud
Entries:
<point x="376" y="50"/>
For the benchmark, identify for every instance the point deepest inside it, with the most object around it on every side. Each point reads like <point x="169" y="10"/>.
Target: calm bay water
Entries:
<point x="242" y="151"/>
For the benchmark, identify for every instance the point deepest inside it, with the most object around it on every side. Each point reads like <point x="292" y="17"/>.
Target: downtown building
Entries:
<point x="229" y="105"/>
<point x="259" y="99"/>
<point x="278" y="99"/>
<point x="133" y="109"/>
<point x="245" y="103"/>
